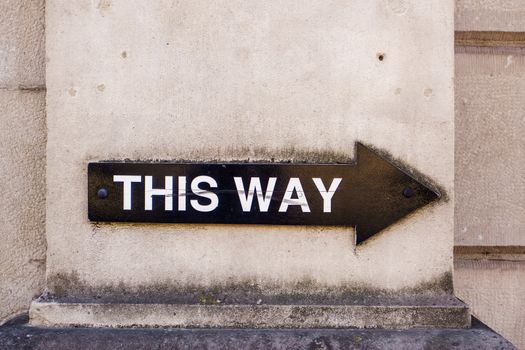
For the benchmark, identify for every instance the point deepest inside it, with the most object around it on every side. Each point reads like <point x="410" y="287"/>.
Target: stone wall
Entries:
<point x="490" y="167"/>
<point x="22" y="154"/>
<point x="490" y="69"/>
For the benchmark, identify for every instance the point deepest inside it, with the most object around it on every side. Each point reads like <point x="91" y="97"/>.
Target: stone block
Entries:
<point x="490" y="15"/>
<point x="490" y="147"/>
<point x="22" y="208"/>
<point x="495" y="290"/>
<point x="249" y="80"/>
<point x="22" y="45"/>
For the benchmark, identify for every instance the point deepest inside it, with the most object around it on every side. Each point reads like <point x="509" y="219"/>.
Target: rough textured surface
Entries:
<point x="22" y="212"/>
<point x="441" y="313"/>
<point x="490" y="147"/>
<point x="491" y="15"/>
<point x="194" y="80"/>
<point x="22" y="58"/>
<point x="69" y="289"/>
<point x="495" y="290"/>
<point x="490" y="182"/>
<point x="23" y="337"/>
<point x="22" y="44"/>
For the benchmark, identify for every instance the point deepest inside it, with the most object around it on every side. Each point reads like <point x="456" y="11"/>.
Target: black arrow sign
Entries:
<point x="369" y="194"/>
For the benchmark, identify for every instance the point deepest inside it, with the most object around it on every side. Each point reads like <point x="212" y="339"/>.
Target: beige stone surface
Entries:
<point x="490" y="15"/>
<point x="22" y="43"/>
<point x="439" y="315"/>
<point x="22" y="154"/>
<point x="495" y="291"/>
<point x="490" y="147"/>
<point x="22" y="209"/>
<point x="223" y="80"/>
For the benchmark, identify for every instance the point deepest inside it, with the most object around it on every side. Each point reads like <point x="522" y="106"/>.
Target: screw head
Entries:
<point x="102" y="193"/>
<point x="408" y="192"/>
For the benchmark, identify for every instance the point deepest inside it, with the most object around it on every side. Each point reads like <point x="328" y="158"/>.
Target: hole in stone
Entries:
<point x="381" y="56"/>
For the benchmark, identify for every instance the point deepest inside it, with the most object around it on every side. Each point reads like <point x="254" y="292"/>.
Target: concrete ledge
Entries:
<point x="454" y="315"/>
<point x="21" y="336"/>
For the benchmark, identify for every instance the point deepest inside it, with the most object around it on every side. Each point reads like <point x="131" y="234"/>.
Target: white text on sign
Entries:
<point x="294" y="194"/>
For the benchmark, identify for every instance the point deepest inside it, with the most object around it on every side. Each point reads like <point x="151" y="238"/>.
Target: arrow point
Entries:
<point x="387" y="193"/>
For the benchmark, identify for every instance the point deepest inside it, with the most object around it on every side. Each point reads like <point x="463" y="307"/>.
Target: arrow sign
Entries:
<point x="370" y="194"/>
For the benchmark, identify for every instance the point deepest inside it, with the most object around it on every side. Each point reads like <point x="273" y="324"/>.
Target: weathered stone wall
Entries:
<point x="490" y="15"/>
<point x="490" y="146"/>
<point x="490" y="171"/>
<point x="22" y="154"/>
<point x="194" y="80"/>
<point x="489" y="117"/>
<point x="495" y="290"/>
